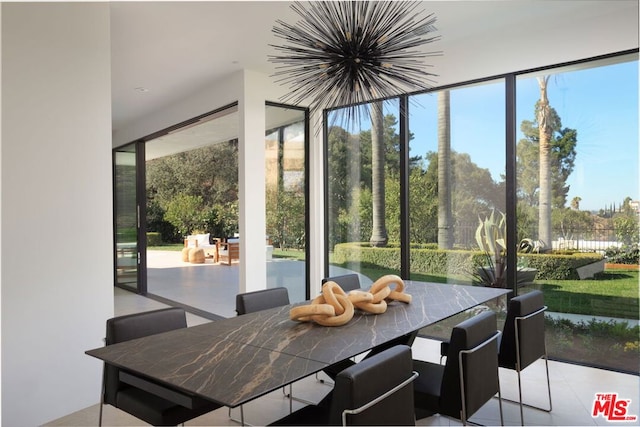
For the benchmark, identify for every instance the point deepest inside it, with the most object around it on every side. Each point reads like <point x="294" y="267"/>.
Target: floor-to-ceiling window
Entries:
<point x="578" y="199"/>
<point x="363" y="176"/>
<point x="286" y="200"/>
<point x="527" y="181"/>
<point x="456" y="177"/>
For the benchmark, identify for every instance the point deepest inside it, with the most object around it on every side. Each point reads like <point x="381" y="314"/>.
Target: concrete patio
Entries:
<point x="213" y="287"/>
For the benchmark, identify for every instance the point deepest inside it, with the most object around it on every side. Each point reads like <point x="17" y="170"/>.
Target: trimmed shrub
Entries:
<point x="558" y="267"/>
<point x="154" y="238"/>
<point x="435" y="261"/>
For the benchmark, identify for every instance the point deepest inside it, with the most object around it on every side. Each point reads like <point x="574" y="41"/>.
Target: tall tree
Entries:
<point x="445" y="217"/>
<point x="544" y="146"/>
<point x="379" y="236"/>
<point x="563" y="154"/>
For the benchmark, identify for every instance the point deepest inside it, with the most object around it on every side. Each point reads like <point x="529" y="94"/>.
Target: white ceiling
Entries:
<point x="172" y="49"/>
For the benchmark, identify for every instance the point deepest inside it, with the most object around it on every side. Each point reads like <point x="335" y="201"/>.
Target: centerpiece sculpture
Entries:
<point x="334" y="307"/>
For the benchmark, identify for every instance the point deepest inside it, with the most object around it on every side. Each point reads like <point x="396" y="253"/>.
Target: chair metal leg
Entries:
<point x="323" y="381"/>
<point x="241" y="420"/>
<point x="292" y="398"/>
<point x="102" y="385"/>
<point x="500" y="400"/>
<point x="546" y="361"/>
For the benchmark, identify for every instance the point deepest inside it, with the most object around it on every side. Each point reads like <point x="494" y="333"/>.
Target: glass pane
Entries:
<point x="457" y="170"/>
<point x="126" y="218"/>
<point x="364" y="192"/>
<point x="456" y="176"/>
<point x="578" y="201"/>
<point x="285" y="153"/>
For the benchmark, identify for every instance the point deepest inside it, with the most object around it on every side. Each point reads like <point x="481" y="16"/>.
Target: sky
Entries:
<point x="600" y="103"/>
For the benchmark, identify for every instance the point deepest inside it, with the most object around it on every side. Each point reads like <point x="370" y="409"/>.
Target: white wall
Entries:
<point x="57" y="262"/>
<point x="251" y="182"/>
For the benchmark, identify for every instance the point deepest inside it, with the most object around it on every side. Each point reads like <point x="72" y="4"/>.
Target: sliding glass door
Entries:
<point x="129" y="238"/>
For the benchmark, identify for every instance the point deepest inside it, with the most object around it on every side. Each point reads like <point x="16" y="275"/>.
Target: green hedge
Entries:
<point x="435" y="261"/>
<point x="558" y="267"/>
<point x="154" y="238"/>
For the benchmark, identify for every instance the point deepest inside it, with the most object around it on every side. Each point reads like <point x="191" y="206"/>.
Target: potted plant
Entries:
<point x="491" y="237"/>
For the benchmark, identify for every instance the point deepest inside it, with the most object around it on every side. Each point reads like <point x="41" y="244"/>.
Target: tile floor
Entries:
<point x="573" y="391"/>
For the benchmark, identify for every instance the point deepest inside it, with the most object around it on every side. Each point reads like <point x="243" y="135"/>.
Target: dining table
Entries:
<point x="235" y="360"/>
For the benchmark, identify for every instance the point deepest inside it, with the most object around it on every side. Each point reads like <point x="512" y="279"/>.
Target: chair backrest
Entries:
<point x="132" y="326"/>
<point x="480" y="368"/>
<point x="348" y="282"/>
<point x="250" y="302"/>
<point x="371" y="378"/>
<point x="530" y="331"/>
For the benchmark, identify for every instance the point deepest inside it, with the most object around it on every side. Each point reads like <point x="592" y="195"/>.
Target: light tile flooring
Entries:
<point x="573" y="390"/>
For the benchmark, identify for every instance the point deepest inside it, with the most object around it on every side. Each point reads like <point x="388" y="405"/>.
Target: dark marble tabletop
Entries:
<point x="233" y="361"/>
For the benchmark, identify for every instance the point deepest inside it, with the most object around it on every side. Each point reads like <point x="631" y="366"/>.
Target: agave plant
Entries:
<point x="491" y="236"/>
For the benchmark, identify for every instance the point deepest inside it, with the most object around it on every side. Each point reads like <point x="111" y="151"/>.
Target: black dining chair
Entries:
<point x="147" y="400"/>
<point x="523" y="340"/>
<point x="468" y="379"/>
<point x="376" y="391"/>
<point x="348" y="282"/>
<point x="250" y="302"/>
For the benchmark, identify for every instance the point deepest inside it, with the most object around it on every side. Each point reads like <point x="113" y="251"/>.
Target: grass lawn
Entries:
<point x="613" y="293"/>
<point x="177" y="247"/>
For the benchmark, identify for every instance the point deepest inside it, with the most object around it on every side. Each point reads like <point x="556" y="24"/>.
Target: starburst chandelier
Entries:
<point x="345" y="53"/>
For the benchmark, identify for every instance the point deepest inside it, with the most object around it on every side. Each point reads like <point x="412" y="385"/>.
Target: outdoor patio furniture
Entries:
<point x="196" y="256"/>
<point x="229" y="251"/>
<point x="202" y="241"/>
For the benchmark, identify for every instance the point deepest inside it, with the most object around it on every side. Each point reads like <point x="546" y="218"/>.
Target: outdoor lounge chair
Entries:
<point x="229" y="251"/>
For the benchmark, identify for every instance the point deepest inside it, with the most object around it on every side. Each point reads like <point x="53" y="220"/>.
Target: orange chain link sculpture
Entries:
<point x="334" y="307"/>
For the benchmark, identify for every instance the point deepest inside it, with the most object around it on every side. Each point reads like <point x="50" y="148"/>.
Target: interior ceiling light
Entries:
<point x="345" y="53"/>
<point x="141" y="89"/>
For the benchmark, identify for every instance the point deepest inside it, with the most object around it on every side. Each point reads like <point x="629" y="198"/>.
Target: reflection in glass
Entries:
<point x="456" y="175"/>
<point x="126" y="218"/>
<point x="285" y="156"/>
<point x="364" y="193"/>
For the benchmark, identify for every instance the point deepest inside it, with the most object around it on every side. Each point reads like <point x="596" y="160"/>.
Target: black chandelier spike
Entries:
<point x="345" y="53"/>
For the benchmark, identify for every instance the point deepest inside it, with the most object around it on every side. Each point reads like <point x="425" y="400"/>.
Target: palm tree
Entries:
<point x="445" y="217"/>
<point x="379" y="236"/>
<point x="545" y="132"/>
